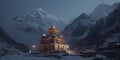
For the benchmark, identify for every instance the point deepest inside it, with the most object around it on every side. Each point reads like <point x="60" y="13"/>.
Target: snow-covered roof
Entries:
<point x="44" y="34"/>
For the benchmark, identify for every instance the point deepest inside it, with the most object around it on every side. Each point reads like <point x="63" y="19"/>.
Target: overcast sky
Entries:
<point x="66" y="9"/>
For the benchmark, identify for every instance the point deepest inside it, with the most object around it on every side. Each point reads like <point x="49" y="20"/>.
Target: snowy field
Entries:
<point x="20" y="57"/>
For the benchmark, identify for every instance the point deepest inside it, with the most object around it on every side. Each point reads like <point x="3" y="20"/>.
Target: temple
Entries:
<point x="52" y="41"/>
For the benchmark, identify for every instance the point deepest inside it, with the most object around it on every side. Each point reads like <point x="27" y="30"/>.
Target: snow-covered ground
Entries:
<point x="69" y="57"/>
<point x="20" y="57"/>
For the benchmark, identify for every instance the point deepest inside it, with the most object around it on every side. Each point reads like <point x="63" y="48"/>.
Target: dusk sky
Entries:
<point x="67" y="9"/>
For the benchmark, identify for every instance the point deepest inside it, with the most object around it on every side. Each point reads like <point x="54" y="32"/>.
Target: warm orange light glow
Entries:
<point x="52" y="41"/>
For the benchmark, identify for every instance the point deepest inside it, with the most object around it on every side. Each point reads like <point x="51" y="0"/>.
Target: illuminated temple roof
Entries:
<point x="52" y="41"/>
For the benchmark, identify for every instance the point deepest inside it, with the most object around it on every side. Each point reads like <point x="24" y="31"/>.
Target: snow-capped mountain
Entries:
<point x="28" y="29"/>
<point x="103" y="10"/>
<point x="38" y="21"/>
<point x="80" y="29"/>
<point x="77" y="29"/>
<point x="104" y="31"/>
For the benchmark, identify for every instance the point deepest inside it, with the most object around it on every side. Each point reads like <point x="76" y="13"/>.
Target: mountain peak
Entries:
<point x="39" y="11"/>
<point x="102" y="10"/>
<point x="84" y="15"/>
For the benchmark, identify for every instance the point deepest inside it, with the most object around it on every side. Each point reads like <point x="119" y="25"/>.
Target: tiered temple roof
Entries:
<point x="52" y="41"/>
